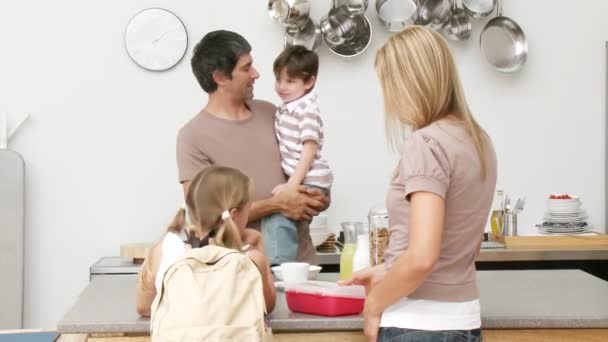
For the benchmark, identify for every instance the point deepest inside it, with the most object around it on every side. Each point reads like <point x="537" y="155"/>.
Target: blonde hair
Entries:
<point x="420" y="85"/>
<point x="212" y="191"/>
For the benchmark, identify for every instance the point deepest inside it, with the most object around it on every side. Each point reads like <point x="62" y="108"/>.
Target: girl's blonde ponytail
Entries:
<point x="227" y="235"/>
<point x="179" y="221"/>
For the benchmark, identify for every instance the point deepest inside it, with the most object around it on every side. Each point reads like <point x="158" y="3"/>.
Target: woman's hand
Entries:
<point x="367" y="277"/>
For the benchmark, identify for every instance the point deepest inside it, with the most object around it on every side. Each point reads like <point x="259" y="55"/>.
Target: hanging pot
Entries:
<point x="358" y="43"/>
<point x="309" y="36"/>
<point x="290" y="13"/>
<point x="338" y="25"/>
<point x="396" y="14"/>
<point x="479" y="9"/>
<point x="458" y="26"/>
<point x="353" y="6"/>
<point x="434" y="13"/>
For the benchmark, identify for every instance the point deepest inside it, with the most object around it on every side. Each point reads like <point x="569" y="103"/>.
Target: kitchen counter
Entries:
<point x="545" y="299"/>
<point x="491" y="257"/>
<point x="123" y="265"/>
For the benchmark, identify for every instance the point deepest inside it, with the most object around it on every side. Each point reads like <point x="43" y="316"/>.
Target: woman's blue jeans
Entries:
<point x="413" y="335"/>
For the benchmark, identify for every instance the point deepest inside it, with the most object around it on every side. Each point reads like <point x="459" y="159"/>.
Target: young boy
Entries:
<point x="299" y="131"/>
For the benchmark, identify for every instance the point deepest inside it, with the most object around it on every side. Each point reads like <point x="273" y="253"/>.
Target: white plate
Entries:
<point x="566" y="213"/>
<point x="568" y="220"/>
<point x="566" y="233"/>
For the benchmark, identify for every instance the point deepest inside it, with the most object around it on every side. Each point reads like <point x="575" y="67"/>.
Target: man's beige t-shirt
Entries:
<point x="249" y="145"/>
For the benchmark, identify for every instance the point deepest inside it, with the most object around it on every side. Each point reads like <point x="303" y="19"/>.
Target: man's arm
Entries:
<point x="300" y="204"/>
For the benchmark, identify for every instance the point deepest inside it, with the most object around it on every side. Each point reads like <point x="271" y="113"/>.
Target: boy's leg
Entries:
<point x="280" y="238"/>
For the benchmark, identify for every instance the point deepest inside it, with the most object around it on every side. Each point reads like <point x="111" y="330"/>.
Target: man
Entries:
<point x="235" y="130"/>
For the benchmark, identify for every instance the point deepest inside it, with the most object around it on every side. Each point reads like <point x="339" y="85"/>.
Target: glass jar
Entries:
<point x="379" y="234"/>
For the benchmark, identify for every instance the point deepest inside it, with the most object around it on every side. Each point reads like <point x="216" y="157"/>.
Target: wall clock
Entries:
<point x="156" y="39"/>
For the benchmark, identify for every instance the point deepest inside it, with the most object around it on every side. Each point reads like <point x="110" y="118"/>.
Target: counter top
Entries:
<point x="509" y="300"/>
<point x="123" y="265"/>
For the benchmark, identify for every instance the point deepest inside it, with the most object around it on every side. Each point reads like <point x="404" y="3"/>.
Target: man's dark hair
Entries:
<point x="217" y="51"/>
<point x="298" y="61"/>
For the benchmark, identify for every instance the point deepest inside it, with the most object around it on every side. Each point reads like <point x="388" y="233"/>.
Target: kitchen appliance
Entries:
<point x="503" y="43"/>
<point x="325" y="298"/>
<point x="12" y="230"/>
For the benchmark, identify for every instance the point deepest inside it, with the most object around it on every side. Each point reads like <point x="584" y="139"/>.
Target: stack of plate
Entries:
<point x="564" y="216"/>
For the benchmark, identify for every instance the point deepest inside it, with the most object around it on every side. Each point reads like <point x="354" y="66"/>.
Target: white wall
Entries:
<point x="99" y="147"/>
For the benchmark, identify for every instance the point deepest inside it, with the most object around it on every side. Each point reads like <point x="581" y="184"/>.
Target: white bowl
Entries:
<point x="574" y="199"/>
<point x="313" y="272"/>
<point x="318" y="238"/>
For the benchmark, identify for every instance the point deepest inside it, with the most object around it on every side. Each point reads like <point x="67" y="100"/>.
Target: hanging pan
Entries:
<point x="503" y="43"/>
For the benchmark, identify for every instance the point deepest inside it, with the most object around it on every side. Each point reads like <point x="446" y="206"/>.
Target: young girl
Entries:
<point x="218" y="202"/>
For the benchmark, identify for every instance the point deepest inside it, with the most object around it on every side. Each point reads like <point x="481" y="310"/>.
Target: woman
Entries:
<point x="438" y="200"/>
<point x="218" y="201"/>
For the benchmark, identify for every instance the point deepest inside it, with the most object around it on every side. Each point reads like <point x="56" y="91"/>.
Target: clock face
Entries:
<point x="156" y="39"/>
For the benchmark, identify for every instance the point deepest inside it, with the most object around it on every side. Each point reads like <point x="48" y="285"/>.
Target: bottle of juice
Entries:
<point x="350" y="246"/>
<point x="496" y="219"/>
<point x="346" y="261"/>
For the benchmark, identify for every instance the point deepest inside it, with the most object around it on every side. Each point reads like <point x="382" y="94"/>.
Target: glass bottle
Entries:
<point x="379" y="234"/>
<point x="348" y="251"/>
<point x="496" y="220"/>
<point x="361" y="257"/>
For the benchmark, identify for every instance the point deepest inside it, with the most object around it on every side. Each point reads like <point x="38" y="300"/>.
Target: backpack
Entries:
<point x="210" y="294"/>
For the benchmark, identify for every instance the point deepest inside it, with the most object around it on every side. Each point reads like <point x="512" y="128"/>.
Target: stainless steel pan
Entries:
<point x="309" y="36"/>
<point x="353" y="6"/>
<point x="458" y="26"/>
<point x="503" y="43"/>
<point x="433" y="13"/>
<point x="338" y="25"/>
<point x="396" y="14"/>
<point x="478" y="9"/>
<point x="291" y="13"/>
<point x="358" y="43"/>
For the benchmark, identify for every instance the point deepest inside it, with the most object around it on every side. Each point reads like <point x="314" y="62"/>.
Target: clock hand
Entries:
<point x="155" y="40"/>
